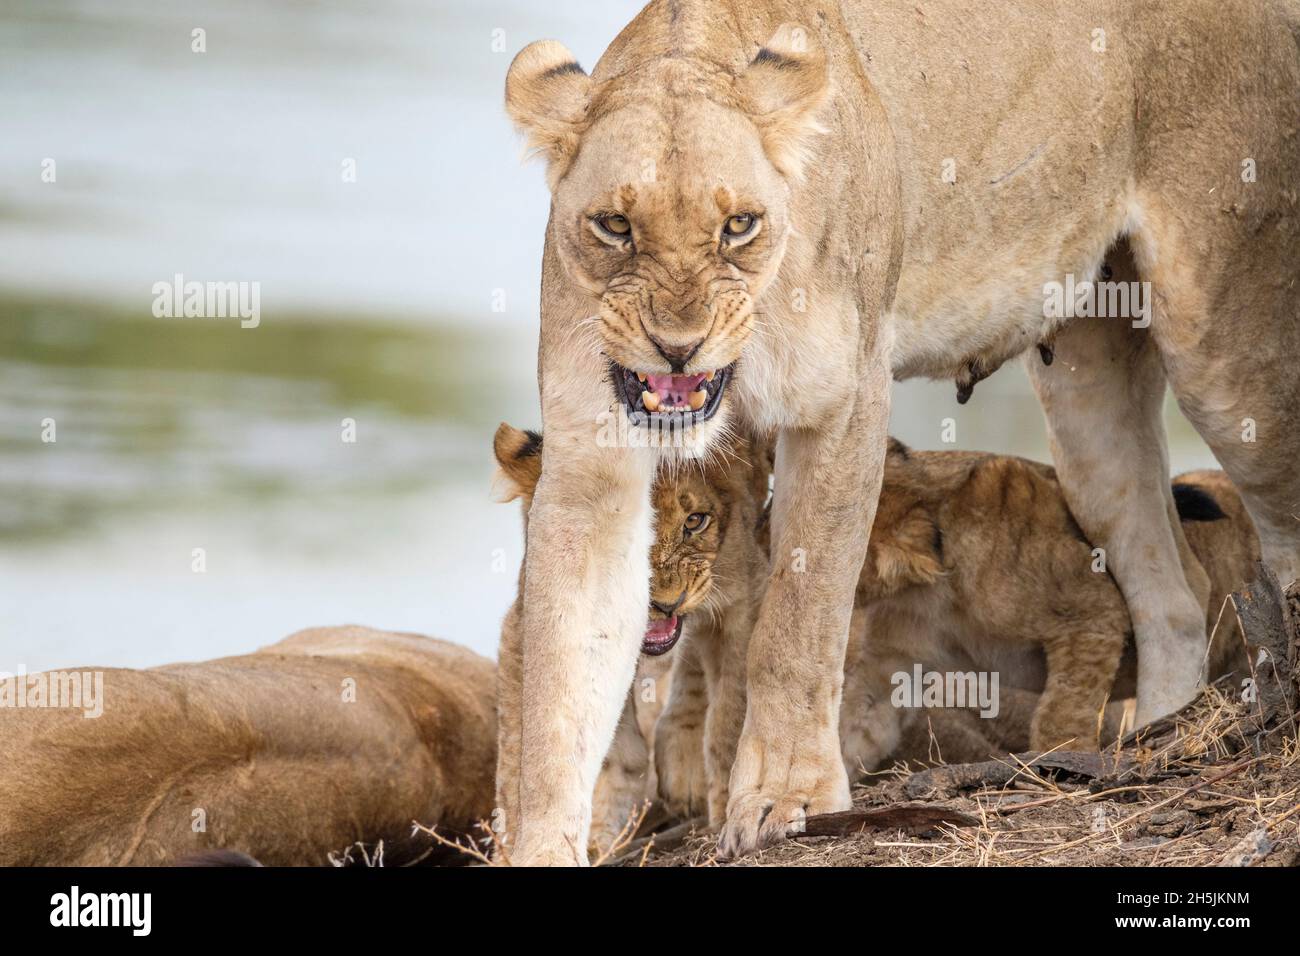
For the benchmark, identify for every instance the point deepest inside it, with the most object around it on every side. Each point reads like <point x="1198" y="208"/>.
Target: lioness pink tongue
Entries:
<point x="676" y="390"/>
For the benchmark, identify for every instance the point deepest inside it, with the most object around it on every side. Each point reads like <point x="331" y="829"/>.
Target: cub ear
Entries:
<point x="547" y="94"/>
<point x="785" y="85"/>
<point x="896" y="450"/>
<point x="519" y="460"/>
<point x="910" y="553"/>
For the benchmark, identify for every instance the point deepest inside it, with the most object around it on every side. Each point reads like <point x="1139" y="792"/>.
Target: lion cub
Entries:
<point x="706" y="569"/>
<point x="975" y="564"/>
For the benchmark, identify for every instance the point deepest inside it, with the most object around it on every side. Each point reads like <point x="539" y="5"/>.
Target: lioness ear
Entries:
<point x="519" y="460"/>
<point x="547" y="94"/>
<point x="785" y="86"/>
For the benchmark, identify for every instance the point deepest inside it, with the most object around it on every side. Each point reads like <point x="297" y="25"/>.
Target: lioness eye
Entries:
<point x="615" y="225"/>
<point x="696" y="523"/>
<point x="738" y="226"/>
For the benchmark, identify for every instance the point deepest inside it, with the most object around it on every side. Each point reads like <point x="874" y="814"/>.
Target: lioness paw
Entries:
<point x="774" y="788"/>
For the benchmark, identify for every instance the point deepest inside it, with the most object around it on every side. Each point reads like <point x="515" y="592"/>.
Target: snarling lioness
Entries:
<point x="766" y="210"/>
<point x="706" y="567"/>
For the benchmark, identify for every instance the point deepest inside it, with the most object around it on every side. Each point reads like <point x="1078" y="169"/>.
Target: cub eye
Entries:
<point x="614" y="225"/>
<point x="738" y="227"/>
<point x="696" y="523"/>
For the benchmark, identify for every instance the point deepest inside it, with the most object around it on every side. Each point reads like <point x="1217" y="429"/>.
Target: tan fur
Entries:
<point x="265" y="745"/>
<point x="976" y="564"/>
<point x="919" y="173"/>
<point x="711" y="578"/>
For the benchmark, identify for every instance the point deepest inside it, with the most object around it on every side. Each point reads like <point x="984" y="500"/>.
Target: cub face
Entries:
<point x="692" y="512"/>
<point x="671" y="187"/>
<point x="691" y="517"/>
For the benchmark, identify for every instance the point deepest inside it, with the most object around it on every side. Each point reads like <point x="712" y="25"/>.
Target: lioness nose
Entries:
<point x="677" y="355"/>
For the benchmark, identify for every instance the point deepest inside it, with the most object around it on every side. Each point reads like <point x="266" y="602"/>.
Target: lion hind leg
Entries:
<point x="1103" y="398"/>
<point x="1227" y="323"/>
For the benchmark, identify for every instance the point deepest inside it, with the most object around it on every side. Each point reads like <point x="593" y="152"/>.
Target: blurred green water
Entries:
<point x="151" y="414"/>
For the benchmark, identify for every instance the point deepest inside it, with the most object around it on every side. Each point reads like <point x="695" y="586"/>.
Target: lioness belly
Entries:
<point x="1014" y="130"/>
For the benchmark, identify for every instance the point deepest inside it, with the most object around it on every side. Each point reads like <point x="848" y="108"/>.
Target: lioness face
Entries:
<point x="690" y="521"/>
<point x="671" y="188"/>
<point x="675" y="256"/>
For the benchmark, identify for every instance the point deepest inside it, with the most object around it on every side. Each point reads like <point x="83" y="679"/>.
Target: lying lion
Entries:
<point x="706" y="568"/>
<point x="330" y="737"/>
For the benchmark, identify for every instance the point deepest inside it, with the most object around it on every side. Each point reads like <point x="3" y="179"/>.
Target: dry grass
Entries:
<point x="1157" y="813"/>
<point x="1216" y="784"/>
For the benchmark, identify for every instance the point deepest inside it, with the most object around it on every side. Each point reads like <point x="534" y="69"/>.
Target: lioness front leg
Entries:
<point x="788" y="762"/>
<point x="585" y="596"/>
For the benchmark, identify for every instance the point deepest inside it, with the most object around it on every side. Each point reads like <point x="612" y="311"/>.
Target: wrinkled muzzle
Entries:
<point x="672" y="367"/>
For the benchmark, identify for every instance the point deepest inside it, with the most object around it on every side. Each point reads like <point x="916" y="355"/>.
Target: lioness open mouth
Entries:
<point x="653" y="398"/>
<point x="661" y="635"/>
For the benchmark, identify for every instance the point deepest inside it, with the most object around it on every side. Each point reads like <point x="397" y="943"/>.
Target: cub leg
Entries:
<point x="679" y="735"/>
<point x="510" y="665"/>
<point x="623" y="784"/>
<point x="870" y="725"/>
<point x="724" y="655"/>
<point x="1080" y="672"/>
<point x="951" y="735"/>
<point x="1102" y="397"/>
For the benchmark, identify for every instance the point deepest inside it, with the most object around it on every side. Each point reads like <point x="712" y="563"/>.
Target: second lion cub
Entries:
<point x="976" y="565"/>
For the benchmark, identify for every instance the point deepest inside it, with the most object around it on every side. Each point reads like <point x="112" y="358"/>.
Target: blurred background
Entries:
<point x="403" y="297"/>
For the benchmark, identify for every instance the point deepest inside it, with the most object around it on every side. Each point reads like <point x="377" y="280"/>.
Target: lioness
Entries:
<point x="331" y="736"/>
<point x="766" y="210"/>
<point x="707" y="566"/>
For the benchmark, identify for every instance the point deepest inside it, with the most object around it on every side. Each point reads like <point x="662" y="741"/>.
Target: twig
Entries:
<point x="914" y="819"/>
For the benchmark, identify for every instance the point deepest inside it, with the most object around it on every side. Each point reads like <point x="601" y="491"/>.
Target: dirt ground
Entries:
<point x="1218" y="784"/>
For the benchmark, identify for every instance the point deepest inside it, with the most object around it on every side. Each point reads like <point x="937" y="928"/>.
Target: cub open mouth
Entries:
<point x="661" y="635"/>
<point x="654" y="398"/>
